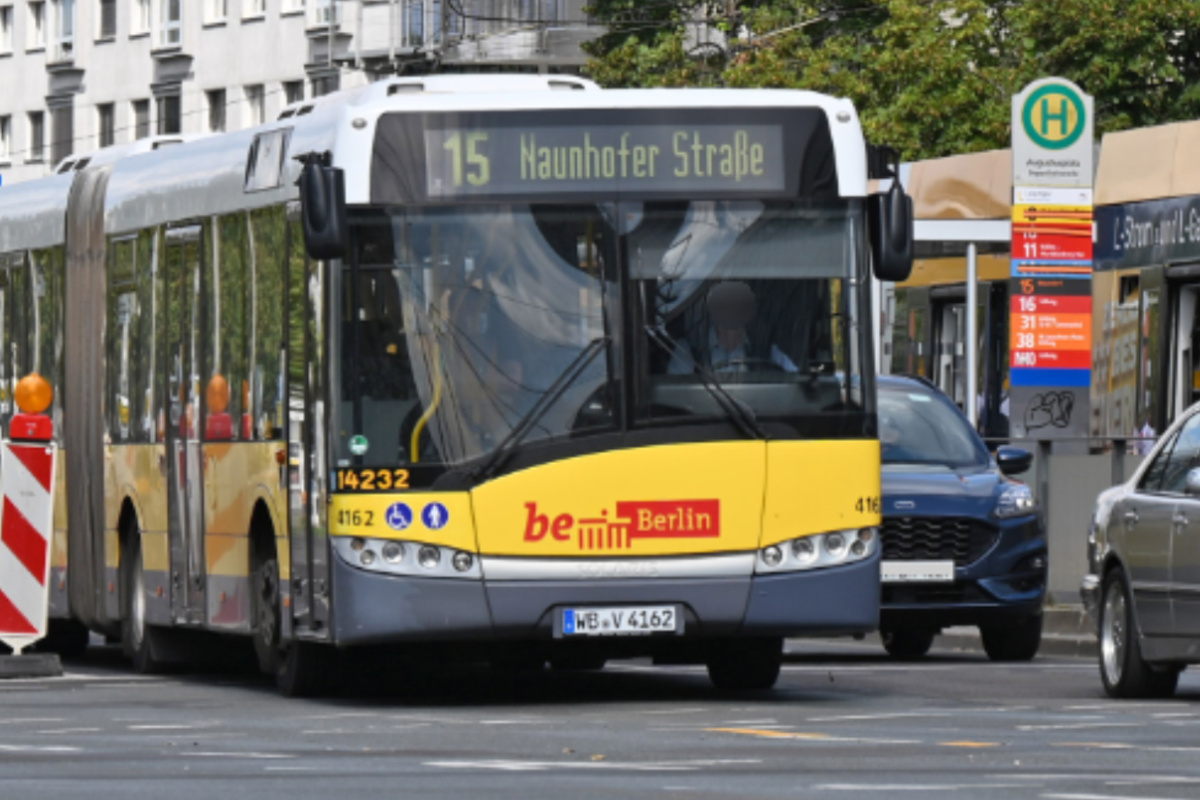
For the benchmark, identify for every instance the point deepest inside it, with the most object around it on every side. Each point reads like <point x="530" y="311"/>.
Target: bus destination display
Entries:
<point x="539" y="160"/>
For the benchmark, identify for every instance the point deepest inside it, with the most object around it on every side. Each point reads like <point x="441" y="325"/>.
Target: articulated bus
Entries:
<point x="506" y="363"/>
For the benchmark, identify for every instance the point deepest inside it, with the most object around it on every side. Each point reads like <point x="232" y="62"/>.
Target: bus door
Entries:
<point x="911" y="341"/>
<point x="185" y="478"/>
<point x="949" y="324"/>
<point x="306" y="474"/>
<point x="1184" y="364"/>
<point x="1153" y="365"/>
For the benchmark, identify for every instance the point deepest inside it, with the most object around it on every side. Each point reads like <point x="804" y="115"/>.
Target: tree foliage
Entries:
<point x="931" y="77"/>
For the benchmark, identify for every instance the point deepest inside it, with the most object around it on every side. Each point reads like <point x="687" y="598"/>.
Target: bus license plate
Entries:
<point x="628" y="620"/>
<point x="917" y="571"/>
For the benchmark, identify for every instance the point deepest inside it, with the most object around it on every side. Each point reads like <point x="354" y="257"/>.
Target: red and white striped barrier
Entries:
<point x="26" y="527"/>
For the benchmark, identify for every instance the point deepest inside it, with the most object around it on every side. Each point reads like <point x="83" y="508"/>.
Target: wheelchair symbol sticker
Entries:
<point x="399" y="516"/>
<point x="435" y="516"/>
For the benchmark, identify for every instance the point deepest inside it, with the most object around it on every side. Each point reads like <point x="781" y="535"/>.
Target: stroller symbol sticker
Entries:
<point x="399" y="516"/>
<point x="435" y="516"/>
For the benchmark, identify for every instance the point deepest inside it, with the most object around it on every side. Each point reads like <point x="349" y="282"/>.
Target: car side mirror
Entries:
<point x="1193" y="482"/>
<point x="323" y="209"/>
<point x="1015" y="460"/>
<point x="890" y="224"/>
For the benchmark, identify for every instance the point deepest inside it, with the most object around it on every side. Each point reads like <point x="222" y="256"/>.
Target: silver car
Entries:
<point x="1143" y="589"/>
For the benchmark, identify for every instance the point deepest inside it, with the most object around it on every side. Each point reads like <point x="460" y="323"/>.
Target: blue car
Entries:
<point x="963" y="543"/>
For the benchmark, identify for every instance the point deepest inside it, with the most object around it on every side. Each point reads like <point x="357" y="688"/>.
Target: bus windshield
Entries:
<point x="466" y="327"/>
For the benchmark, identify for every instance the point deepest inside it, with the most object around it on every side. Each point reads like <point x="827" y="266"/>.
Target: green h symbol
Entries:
<point x="1048" y="117"/>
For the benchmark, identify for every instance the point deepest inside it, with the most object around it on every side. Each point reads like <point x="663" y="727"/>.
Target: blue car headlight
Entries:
<point x="1015" y="501"/>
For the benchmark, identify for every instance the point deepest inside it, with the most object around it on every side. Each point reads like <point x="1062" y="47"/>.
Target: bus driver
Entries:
<point x="731" y="307"/>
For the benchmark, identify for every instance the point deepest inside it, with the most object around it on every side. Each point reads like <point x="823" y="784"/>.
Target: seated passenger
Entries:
<point x="731" y="307"/>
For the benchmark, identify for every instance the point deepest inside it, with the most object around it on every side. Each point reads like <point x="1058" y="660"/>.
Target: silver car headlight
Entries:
<point x="1014" y="501"/>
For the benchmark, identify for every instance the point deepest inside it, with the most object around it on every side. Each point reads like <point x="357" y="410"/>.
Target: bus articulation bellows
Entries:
<point x="572" y="374"/>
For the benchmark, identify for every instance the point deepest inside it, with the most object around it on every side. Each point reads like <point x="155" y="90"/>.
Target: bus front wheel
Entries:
<point x="742" y="665"/>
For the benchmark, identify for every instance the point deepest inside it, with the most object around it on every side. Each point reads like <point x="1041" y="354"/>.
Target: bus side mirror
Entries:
<point x="890" y="221"/>
<point x="323" y="210"/>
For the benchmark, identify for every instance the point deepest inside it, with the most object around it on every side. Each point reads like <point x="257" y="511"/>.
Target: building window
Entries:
<point x="256" y="111"/>
<point x="139" y="21"/>
<point x="292" y="6"/>
<point x="326" y="84"/>
<point x="253" y="8"/>
<point x="170" y="32"/>
<point x="62" y="133"/>
<point x="6" y="29"/>
<point x="216" y="110"/>
<point x="36" y="32"/>
<point x="106" y="124"/>
<point x="5" y="137"/>
<point x="108" y="19"/>
<point x="64" y="29"/>
<point x="141" y="119"/>
<point x="37" y="136"/>
<point x="215" y="10"/>
<point x="293" y="92"/>
<point x="324" y="12"/>
<point x="170" y="118"/>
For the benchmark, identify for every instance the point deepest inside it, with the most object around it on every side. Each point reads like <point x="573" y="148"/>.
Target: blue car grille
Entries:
<point x="962" y="539"/>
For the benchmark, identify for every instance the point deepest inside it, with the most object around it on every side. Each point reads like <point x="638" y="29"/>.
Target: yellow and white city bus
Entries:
<point x="502" y="361"/>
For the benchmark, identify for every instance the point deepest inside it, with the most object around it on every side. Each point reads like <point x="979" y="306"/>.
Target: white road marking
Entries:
<point x="71" y="730"/>
<point x="1087" y="796"/>
<point x="175" y="727"/>
<point x="342" y="715"/>
<point x="32" y="748"/>
<point x="504" y="765"/>
<point x="1075" y="726"/>
<point x="203" y="754"/>
<point x="916" y="787"/>
<point x="23" y="720"/>
<point x="511" y="722"/>
<point x="897" y="715"/>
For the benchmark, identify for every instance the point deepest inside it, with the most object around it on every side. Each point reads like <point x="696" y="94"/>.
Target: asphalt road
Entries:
<point x="844" y="723"/>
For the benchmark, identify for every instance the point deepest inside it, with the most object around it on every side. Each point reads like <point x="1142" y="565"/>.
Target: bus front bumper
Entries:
<point x="375" y="608"/>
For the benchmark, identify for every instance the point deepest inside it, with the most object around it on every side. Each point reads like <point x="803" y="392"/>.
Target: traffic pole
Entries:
<point x="26" y="530"/>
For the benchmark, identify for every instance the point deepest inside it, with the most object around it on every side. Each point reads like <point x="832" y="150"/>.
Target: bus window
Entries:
<point x="121" y="344"/>
<point x="268" y="247"/>
<point x="463" y="319"/>
<point x="229" y="317"/>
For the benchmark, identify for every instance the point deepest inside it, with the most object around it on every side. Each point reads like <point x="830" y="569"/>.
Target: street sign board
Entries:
<point x="1050" y="315"/>
<point x="1052" y="135"/>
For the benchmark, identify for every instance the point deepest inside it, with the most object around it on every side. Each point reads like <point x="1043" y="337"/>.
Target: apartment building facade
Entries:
<point x="80" y="75"/>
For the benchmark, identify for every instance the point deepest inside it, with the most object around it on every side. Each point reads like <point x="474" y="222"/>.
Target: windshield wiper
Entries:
<point x="741" y="416"/>
<point x="551" y="396"/>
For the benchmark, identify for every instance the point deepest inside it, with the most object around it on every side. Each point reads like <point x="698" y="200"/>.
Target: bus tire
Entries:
<point x="906" y="644"/>
<point x="745" y="665"/>
<point x="1019" y="642"/>
<point x="577" y="662"/>
<point x="141" y="642"/>
<point x="265" y="610"/>
<point x="67" y="637"/>
<point x="304" y="669"/>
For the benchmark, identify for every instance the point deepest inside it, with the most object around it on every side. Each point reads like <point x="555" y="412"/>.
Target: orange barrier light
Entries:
<point x="34" y="394"/>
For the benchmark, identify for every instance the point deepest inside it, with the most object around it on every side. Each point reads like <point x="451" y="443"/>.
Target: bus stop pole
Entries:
<point x="972" y="404"/>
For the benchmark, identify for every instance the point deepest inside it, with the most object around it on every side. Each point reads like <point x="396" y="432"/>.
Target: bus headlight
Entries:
<point x="393" y="552"/>
<point x="391" y="557"/>
<point x="819" y="550"/>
